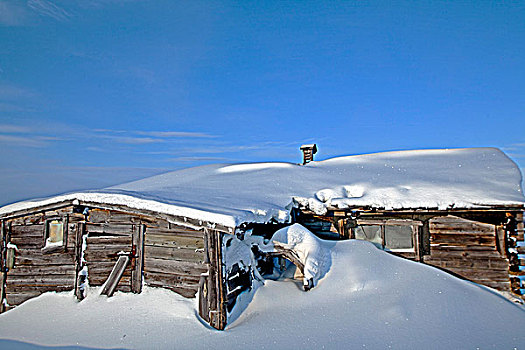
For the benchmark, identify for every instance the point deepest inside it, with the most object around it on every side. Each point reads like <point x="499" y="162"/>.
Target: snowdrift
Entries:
<point x="368" y="299"/>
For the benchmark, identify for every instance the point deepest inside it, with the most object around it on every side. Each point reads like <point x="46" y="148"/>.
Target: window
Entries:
<point x="399" y="237"/>
<point x="394" y="235"/>
<point x="370" y="233"/>
<point x="54" y="234"/>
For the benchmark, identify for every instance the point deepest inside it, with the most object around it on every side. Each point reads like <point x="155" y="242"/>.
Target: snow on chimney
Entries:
<point x="308" y="152"/>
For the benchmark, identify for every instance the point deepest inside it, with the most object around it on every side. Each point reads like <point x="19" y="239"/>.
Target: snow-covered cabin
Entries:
<point x="458" y="209"/>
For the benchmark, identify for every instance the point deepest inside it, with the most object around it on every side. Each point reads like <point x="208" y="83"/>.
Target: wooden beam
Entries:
<point x="138" y="270"/>
<point x="79" y="240"/>
<point x="2" y="265"/>
<point x="115" y="275"/>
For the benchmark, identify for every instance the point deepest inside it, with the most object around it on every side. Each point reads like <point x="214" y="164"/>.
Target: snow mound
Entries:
<point x="312" y="252"/>
<point x="252" y="167"/>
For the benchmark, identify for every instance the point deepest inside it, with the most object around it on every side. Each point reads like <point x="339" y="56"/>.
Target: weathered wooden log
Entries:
<point x="138" y="258"/>
<point x="463" y="239"/>
<point x="180" y="267"/>
<point x="192" y="242"/>
<point x="171" y="253"/>
<point x="115" y="275"/>
<point x="110" y="229"/>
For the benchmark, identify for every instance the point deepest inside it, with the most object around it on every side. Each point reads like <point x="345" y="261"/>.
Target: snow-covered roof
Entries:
<point x="229" y="194"/>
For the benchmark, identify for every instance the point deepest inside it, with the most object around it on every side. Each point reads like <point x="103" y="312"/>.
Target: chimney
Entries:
<point x="308" y="152"/>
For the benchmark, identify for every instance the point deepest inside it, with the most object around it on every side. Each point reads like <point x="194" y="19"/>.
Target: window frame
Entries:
<point x="415" y="226"/>
<point x="47" y="248"/>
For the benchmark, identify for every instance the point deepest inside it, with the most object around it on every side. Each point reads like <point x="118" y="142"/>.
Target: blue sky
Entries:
<point x="94" y="93"/>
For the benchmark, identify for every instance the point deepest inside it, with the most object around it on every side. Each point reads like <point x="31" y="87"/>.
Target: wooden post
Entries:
<point x="79" y="241"/>
<point x="425" y="238"/>
<point x="341" y="229"/>
<point x="138" y="244"/>
<point x="500" y="240"/>
<point x="65" y="223"/>
<point x="2" y="265"/>
<point x="222" y="313"/>
<point x="417" y="242"/>
<point x="204" y="311"/>
<point x="215" y="281"/>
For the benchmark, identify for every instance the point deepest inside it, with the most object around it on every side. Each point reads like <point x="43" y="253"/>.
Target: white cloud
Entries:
<point x="169" y="134"/>
<point x="13" y="129"/>
<point x="25" y="141"/>
<point x="49" y="9"/>
<point x="137" y="140"/>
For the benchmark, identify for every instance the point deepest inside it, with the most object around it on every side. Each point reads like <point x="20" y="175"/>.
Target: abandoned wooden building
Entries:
<point x="459" y="210"/>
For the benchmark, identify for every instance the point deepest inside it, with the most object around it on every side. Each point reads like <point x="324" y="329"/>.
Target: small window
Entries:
<point x="398" y="237"/>
<point x="54" y="235"/>
<point x="370" y="233"/>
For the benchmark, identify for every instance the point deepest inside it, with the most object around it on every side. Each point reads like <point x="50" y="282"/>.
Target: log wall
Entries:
<point x="468" y="249"/>
<point x="174" y="258"/>
<point x="162" y="254"/>
<point x="37" y="270"/>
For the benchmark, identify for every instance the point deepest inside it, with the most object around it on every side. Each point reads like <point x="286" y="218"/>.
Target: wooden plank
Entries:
<point x="468" y="262"/>
<point x="462" y="228"/>
<point x="28" y="230"/>
<point x="175" y="230"/>
<point x="482" y="274"/>
<point x="42" y="270"/>
<point x="39" y="288"/>
<point x="51" y="259"/>
<point x="463" y="240"/>
<point x="3" y="270"/>
<point x="222" y="312"/>
<point x="212" y="287"/>
<point x="177" y="279"/>
<point x="109" y="247"/>
<point x="115" y="275"/>
<point x="138" y="244"/>
<point x="204" y="312"/>
<point x="180" y="267"/>
<point x="112" y="228"/>
<point x="42" y="279"/>
<point x="125" y="281"/>
<point x="170" y="253"/>
<point x="186" y="241"/>
<point x="96" y="271"/>
<point x="107" y="240"/>
<point x="452" y="252"/>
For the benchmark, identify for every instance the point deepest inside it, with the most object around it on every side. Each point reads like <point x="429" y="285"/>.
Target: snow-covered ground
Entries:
<point x="369" y="299"/>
